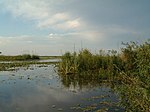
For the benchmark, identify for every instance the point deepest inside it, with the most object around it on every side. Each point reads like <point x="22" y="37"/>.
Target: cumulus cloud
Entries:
<point x="69" y="25"/>
<point x="53" y="20"/>
<point x="43" y="12"/>
<point x="27" y="9"/>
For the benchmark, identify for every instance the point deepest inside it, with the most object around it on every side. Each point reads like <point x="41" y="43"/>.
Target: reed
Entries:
<point x="85" y="61"/>
<point x="129" y="70"/>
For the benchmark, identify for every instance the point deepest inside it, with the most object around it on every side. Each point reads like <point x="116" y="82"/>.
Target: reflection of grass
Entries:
<point x="83" y="80"/>
<point x="99" y="103"/>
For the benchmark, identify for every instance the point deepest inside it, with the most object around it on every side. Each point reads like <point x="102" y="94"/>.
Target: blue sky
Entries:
<point x="51" y="27"/>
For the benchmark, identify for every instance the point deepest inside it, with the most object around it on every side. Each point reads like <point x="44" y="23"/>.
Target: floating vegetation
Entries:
<point x="13" y="65"/>
<point x="95" y="98"/>
<point x="89" y="108"/>
<point x="102" y="110"/>
<point x="95" y="107"/>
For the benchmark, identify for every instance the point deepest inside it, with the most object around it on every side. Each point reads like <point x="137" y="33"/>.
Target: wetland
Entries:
<point x="78" y="82"/>
<point x="38" y="87"/>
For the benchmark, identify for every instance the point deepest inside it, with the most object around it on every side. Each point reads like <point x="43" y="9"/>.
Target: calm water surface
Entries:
<point x="40" y="89"/>
<point x="47" y="60"/>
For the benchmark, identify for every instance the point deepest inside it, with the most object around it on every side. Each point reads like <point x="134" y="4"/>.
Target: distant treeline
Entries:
<point x="19" y="57"/>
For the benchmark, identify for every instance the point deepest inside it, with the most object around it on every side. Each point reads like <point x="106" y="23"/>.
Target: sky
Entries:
<point x="52" y="27"/>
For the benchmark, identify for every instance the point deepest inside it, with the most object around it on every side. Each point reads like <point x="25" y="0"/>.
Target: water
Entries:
<point x="46" y="60"/>
<point x="40" y="89"/>
<point x="50" y="60"/>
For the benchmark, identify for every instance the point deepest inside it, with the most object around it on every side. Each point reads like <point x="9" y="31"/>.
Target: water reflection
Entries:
<point x="50" y="60"/>
<point x="41" y="89"/>
<point x="46" y="60"/>
<point x="83" y="81"/>
<point x="42" y="99"/>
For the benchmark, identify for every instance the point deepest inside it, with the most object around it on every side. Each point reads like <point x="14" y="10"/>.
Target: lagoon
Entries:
<point x="39" y="88"/>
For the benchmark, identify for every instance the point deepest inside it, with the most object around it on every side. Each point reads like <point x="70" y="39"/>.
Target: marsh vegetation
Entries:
<point x="25" y="60"/>
<point x="81" y="81"/>
<point x="128" y="72"/>
<point x="23" y="57"/>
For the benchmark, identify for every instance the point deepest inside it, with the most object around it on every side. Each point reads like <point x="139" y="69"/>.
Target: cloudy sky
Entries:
<point x="51" y="27"/>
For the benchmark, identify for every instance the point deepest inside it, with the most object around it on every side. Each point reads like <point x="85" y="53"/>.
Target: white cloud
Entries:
<point x="71" y="24"/>
<point x="2" y="41"/>
<point x="17" y="44"/>
<point x="53" y="20"/>
<point x="50" y="14"/>
<point x="34" y="9"/>
<point x="14" y="39"/>
<point x="44" y="13"/>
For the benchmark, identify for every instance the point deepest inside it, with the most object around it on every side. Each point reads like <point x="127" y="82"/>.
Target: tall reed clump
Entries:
<point x="136" y="60"/>
<point x="85" y="61"/>
<point x="135" y="77"/>
<point x="68" y="64"/>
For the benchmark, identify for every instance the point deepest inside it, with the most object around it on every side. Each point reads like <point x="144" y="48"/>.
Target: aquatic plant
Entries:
<point x="68" y="64"/>
<point x="12" y="65"/>
<point x="129" y="71"/>
<point x="135" y="77"/>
